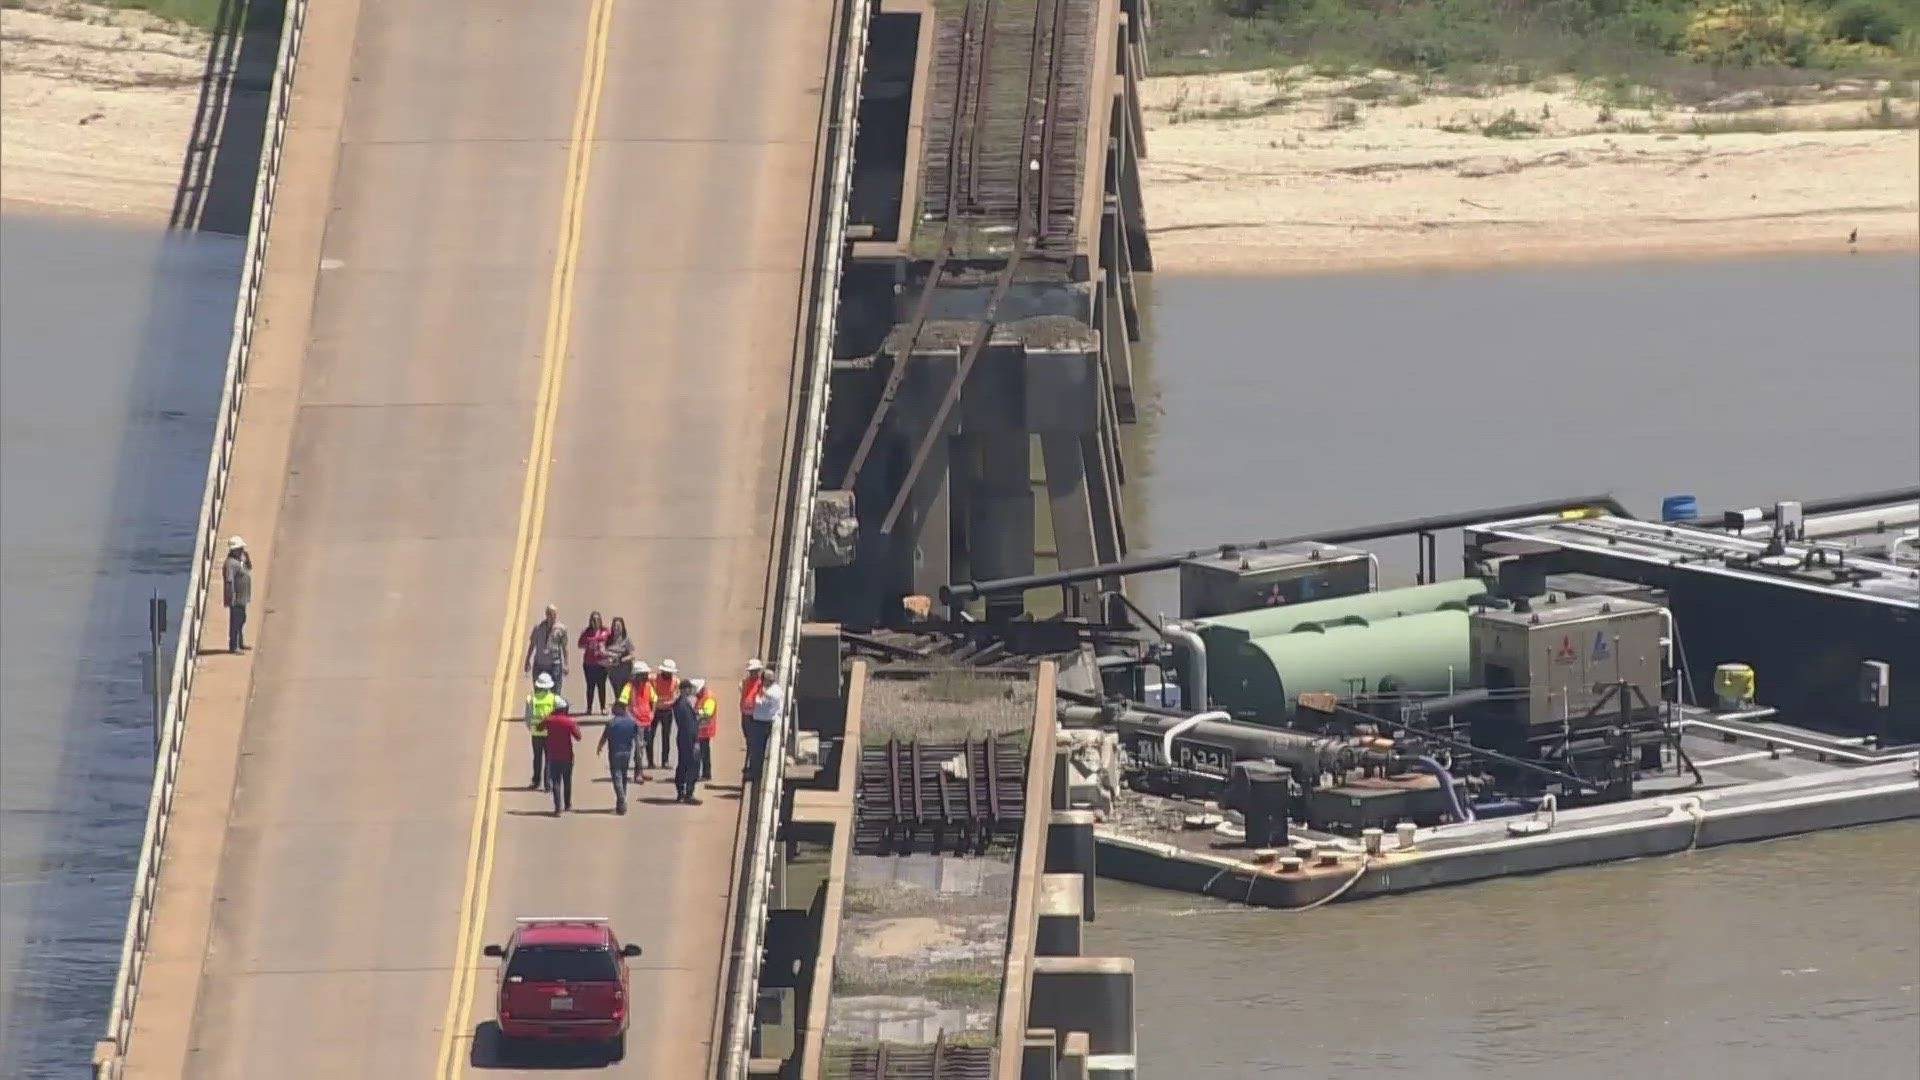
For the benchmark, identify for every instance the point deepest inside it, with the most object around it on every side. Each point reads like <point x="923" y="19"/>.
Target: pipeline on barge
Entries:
<point x="1592" y="687"/>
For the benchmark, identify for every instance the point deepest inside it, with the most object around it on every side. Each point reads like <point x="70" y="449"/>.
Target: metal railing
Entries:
<point x="109" y="1054"/>
<point x="742" y="976"/>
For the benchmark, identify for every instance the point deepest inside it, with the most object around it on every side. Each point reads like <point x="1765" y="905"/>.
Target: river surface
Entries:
<point x="1276" y="406"/>
<point x="112" y="345"/>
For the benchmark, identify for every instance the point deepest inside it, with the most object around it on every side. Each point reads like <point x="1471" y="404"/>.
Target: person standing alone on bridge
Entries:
<point x="767" y="708"/>
<point x="618" y="739"/>
<point x="593" y="660"/>
<point x="236" y="583"/>
<point x="686" y="733"/>
<point x="547" y="649"/>
<point x="662" y="693"/>
<point x="562" y="732"/>
<point x="541" y="704"/>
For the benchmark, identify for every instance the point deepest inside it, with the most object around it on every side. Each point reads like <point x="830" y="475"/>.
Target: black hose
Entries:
<point x="1837" y="504"/>
<point x="960" y="592"/>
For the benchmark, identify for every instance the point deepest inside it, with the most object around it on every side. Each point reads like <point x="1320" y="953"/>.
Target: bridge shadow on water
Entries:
<point x="222" y="162"/>
<point x="492" y="1050"/>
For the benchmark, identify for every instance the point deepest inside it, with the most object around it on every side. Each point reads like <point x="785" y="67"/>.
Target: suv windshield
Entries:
<point x="568" y="963"/>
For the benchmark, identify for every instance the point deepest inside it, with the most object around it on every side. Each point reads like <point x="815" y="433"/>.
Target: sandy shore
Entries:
<point x="96" y="107"/>
<point x="1290" y="172"/>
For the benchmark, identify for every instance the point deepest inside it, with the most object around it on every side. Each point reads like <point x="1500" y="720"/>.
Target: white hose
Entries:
<point x="1365" y="861"/>
<point x="1167" y="736"/>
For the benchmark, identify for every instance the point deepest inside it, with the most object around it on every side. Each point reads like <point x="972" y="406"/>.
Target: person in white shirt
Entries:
<point x="767" y="708"/>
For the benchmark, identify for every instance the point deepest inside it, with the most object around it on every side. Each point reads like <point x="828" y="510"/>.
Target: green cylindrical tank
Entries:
<point x="1266" y="675"/>
<point x="1374" y="606"/>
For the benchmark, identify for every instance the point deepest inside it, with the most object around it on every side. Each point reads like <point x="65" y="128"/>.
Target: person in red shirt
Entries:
<point x="593" y="661"/>
<point x="562" y="732"/>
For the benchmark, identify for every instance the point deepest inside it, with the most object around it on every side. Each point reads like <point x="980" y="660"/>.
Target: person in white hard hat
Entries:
<point x="749" y="696"/>
<point x="635" y="697"/>
<point x="767" y="711"/>
<point x="236" y="581"/>
<point x="661" y="691"/>
<point x="542" y="703"/>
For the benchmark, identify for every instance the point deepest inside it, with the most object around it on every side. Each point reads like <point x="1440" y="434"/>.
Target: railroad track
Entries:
<point x="941" y="1061"/>
<point x="989" y="183"/>
<point x="954" y="798"/>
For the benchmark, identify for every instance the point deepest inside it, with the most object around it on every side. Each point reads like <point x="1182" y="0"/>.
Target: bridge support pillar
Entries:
<point x="1000" y="531"/>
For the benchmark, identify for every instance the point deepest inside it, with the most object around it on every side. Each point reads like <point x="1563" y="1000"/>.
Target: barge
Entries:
<point x="1593" y="687"/>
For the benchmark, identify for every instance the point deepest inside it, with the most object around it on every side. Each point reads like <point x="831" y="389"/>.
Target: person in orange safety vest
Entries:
<point x="661" y="690"/>
<point x="749" y="694"/>
<point x="637" y="696"/>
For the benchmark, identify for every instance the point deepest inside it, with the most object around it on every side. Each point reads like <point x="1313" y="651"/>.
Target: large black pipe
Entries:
<point x="1449" y="704"/>
<point x="1147" y="564"/>
<point x="1306" y="753"/>
<point x="1836" y="505"/>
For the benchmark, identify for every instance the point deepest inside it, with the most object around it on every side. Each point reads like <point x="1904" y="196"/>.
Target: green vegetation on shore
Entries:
<point x="202" y="14"/>
<point x="1737" y="42"/>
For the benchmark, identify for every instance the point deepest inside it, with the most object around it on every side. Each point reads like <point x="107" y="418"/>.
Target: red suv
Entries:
<point x="564" y="980"/>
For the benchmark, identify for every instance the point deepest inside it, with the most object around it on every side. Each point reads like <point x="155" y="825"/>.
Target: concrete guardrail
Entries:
<point x="792" y="569"/>
<point x="109" y="1053"/>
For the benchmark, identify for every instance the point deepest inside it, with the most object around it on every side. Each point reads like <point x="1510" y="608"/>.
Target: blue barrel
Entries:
<point x="1679" y="508"/>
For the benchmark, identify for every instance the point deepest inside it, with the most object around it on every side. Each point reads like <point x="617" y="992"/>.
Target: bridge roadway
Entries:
<point x="482" y="292"/>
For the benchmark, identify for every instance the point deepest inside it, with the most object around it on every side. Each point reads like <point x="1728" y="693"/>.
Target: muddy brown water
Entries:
<point x="113" y="343"/>
<point x="1350" y="399"/>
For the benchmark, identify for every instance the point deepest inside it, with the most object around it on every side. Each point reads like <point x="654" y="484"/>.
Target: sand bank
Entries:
<point x="1290" y="172"/>
<point x="96" y="108"/>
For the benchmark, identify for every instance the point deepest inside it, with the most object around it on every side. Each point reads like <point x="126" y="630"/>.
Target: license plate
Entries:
<point x="560" y="1004"/>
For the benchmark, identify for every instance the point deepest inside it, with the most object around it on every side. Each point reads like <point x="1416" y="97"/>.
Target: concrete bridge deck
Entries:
<point x="529" y="327"/>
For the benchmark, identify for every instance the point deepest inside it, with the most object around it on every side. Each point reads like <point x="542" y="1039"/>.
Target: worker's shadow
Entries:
<point x="491" y="1051"/>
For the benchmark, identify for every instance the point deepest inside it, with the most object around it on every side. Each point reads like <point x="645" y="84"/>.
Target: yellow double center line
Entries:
<point x="457" y="1028"/>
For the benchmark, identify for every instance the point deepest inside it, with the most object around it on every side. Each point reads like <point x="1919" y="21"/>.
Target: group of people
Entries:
<point x="653" y="715"/>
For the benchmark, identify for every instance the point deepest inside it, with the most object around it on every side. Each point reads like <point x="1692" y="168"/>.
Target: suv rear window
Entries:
<point x="570" y="963"/>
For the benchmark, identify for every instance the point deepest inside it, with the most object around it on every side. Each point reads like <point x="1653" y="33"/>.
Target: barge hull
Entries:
<point x="1476" y="851"/>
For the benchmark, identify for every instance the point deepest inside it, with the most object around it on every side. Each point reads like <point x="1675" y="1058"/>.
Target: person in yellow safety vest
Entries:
<point x="637" y="697"/>
<point x="709" y="710"/>
<point x="661" y="690"/>
<point x="541" y="704"/>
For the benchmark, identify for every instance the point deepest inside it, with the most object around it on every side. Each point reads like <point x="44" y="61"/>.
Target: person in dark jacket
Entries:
<point x="236" y="582"/>
<point x="686" y="735"/>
